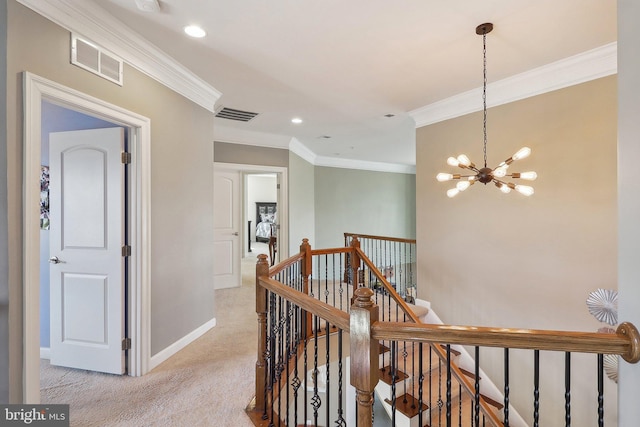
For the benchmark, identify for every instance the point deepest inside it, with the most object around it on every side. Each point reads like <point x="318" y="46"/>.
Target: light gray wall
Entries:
<point x="301" y="202"/>
<point x="182" y="296"/>
<point x="250" y="155"/>
<point x="4" y="261"/>
<point x="629" y="197"/>
<point x="505" y="260"/>
<point x="366" y="202"/>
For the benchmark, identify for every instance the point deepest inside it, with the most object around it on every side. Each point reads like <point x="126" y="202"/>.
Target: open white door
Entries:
<point x="227" y="229"/>
<point x="87" y="235"/>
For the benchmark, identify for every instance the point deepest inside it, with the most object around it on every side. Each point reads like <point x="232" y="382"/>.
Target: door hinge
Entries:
<point x="126" y="343"/>
<point x="126" y="157"/>
<point x="277" y="186"/>
<point x="126" y="250"/>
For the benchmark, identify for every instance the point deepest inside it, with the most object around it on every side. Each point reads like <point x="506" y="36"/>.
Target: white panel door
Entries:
<point x="227" y="230"/>
<point x="87" y="234"/>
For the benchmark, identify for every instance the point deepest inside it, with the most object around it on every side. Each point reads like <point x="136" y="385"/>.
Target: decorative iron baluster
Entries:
<point x="289" y="312"/>
<point x="306" y="367"/>
<point x="567" y="389"/>
<point x="404" y="368"/>
<point x="327" y="384"/>
<point x="476" y="396"/>
<point x="315" y="400"/>
<point x="448" y="402"/>
<point x="420" y="383"/>
<point x="272" y="352"/>
<point x="506" y="387"/>
<point x="295" y="382"/>
<point x="440" y="401"/>
<point x="392" y="375"/>
<point x="536" y="387"/>
<point x="600" y="390"/>
<point x="340" y="422"/>
<point x="459" y="405"/>
<point x="280" y="346"/>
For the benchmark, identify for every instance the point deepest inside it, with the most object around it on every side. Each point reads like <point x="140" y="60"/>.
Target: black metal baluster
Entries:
<point x="315" y="400"/>
<point x="600" y="390"/>
<point x="567" y="389"/>
<point x="448" y="402"/>
<point x="340" y="422"/>
<point x="420" y="383"/>
<point x="440" y="402"/>
<point x="280" y="367"/>
<point x="392" y="375"/>
<point x="328" y="383"/>
<point x="287" y="355"/>
<point x="476" y="396"/>
<point x="272" y="352"/>
<point x="306" y="367"/>
<point x="536" y="388"/>
<point x="459" y="405"/>
<point x="506" y="387"/>
<point x="294" y="354"/>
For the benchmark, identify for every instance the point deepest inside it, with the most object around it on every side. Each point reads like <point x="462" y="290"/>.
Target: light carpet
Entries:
<point x="208" y="383"/>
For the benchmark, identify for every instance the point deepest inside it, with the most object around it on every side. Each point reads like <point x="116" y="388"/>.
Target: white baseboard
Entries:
<point x="163" y="355"/>
<point x="45" y="353"/>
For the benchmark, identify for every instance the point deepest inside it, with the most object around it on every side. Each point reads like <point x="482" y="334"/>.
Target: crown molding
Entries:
<point x="103" y="29"/>
<point x="232" y="135"/>
<point x="580" y="68"/>
<point x="333" y="162"/>
<point x="301" y="150"/>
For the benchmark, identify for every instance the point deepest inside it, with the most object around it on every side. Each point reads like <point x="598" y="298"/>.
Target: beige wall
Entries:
<point x="251" y="155"/>
<point x="181" y="181"/>
<point x="486" y="258"/>
<point x="301" y="202"/>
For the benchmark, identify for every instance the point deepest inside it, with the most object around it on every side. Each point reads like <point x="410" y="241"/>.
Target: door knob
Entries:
<point x="55" y="260"/>
<point x="236" y="233"/>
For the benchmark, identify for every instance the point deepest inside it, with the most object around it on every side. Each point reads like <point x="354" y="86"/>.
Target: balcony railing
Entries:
<point x="326" y="351"/>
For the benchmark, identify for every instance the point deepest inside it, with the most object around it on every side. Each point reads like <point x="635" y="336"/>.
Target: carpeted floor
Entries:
<point x="209" y="383"/>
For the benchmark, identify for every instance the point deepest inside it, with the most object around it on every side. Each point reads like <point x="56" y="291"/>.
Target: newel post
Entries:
<point x="306" y="266"/>
<point x="355" y="262"/>
<point x="364" y="354"/>
<point x="262" y="270"/>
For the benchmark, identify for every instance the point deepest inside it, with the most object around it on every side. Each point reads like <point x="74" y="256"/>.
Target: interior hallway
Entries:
<point x="209" y="383"/>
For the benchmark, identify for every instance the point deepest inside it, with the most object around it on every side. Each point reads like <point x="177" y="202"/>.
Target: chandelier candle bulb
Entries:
<point x="522" y="153"/>
<point x="452" y="193"/>
<point x="452" y="161"/>
<point x="485" y="174"/>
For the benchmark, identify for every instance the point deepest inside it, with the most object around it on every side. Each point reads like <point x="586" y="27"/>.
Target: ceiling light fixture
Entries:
<point x="485" y="174"/>
<point x="296" y="120"/>
<point x="194" y="31"/>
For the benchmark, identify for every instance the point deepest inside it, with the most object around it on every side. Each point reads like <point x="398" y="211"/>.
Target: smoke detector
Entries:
<point x="148" y="5"/>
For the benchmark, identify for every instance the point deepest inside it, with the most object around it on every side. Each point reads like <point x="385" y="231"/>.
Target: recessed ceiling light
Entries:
<point x="296" y="120"/>
<point x="194" y="31"/>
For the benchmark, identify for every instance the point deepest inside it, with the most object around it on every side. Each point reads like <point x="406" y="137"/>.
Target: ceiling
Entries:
<point x="342" y="66"/>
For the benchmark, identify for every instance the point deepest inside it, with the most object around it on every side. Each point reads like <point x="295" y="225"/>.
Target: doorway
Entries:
<point x="275" y="179"/>
<point x="39" y="90"/>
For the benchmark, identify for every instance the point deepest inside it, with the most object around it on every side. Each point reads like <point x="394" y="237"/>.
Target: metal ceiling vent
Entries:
<point x="238" y="115"/>
<point x="92" y="58"/>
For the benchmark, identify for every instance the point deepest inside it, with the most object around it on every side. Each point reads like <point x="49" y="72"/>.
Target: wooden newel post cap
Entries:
<point x="363" y="298"/>
<point x="262" y="258"/>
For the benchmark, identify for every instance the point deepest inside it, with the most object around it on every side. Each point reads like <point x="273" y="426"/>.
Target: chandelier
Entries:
<point x="485" y="174"/>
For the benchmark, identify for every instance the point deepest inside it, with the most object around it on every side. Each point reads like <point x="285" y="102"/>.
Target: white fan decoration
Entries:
<point x="610" y="362"/>
<point x="603" y="304"/>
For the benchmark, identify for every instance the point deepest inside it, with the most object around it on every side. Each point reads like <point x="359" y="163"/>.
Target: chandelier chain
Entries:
<point x="484" y="95"/>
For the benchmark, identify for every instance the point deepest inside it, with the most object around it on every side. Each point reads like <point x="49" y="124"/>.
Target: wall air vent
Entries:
<point x="238" y="115"/>
<point x="92" y="58"/>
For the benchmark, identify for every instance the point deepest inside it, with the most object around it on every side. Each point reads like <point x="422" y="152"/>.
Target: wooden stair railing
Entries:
<point x="366" y="331"/>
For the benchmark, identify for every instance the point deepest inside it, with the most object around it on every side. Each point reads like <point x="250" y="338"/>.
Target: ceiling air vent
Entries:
<point x="92" y="58"/>
<point x="238" y="115"/>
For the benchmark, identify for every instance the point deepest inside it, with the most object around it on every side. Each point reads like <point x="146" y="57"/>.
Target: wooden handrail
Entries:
<point x="331" y="251"/>
<point x="401" y="302"/>
<point x="390" y="239"/>
<point x="285" y="264"/>
<point x="625" y="342"/>
<point x="333" y="315"/>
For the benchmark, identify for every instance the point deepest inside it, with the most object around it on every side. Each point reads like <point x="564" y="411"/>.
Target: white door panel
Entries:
<point x="87" y="269"/>
<point x="227" y="230"/>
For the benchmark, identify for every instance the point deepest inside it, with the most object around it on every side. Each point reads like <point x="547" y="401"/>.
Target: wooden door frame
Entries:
<point x="37" y="89"/>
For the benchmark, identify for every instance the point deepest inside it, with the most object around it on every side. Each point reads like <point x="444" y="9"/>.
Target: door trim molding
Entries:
<point x="283" y="198"/>
<point x="36" y="89"/>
